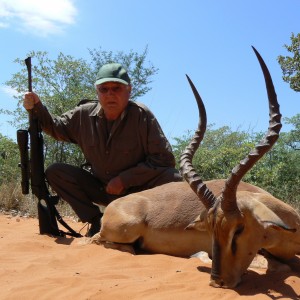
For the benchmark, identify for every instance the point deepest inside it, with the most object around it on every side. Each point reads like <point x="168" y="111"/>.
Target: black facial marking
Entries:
<point x="237" y="233"/>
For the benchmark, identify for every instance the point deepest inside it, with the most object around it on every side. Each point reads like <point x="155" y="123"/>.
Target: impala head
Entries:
<point x="237" y="226"/>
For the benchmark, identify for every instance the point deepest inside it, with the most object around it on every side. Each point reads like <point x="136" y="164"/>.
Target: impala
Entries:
<point x="242" y="222"/>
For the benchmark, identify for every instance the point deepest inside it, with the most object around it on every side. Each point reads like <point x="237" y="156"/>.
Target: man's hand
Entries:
<point x="115" y="186"/>
<point x="30" y="100"/>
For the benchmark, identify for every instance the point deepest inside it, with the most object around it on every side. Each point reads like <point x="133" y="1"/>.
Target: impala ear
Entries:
<point x="278" y="226"/>
<point x="268" y="218"/>
<point x="198" y="224"/>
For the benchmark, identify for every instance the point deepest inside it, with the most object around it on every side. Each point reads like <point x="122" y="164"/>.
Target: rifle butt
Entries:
<point x="47" y="220"/>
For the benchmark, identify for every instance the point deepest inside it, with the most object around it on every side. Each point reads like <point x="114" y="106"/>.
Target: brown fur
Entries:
<point x="157" y="219"/>
<point x="268" y="224"/>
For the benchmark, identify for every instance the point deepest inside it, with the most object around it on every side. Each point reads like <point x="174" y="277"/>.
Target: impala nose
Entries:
<point x="218" y="282"/>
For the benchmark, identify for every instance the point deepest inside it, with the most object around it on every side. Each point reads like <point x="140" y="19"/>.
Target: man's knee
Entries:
<point x="58" y="173"/>
<point x="53" y="170"/>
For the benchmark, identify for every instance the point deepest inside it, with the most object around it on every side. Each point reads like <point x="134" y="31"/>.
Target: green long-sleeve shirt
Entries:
<point x="134" y="148"/>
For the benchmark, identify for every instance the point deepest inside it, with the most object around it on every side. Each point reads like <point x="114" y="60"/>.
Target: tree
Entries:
<point x="290" y="65"/>
<point x="63" y="81"/>
<point x="293" y="139"/>
<point x="219" y="152"/>
<point x="278" y="171"/>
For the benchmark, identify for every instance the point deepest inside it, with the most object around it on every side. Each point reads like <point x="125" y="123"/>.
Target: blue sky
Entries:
<point x="208" y="40"/>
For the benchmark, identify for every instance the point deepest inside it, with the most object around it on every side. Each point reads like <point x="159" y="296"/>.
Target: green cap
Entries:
<point x="112" y="72"/>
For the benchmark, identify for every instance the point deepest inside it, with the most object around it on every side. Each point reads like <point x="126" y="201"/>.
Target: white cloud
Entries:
<point x="42" y="17"/>
<point x="3" y="25"/>
<point x="8" y="91"/>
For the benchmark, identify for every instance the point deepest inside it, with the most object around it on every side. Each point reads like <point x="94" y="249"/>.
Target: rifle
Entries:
<point x="33" y="170"/>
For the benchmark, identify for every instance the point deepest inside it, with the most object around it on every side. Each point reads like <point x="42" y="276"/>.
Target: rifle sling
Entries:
<point x="71" y="232"/>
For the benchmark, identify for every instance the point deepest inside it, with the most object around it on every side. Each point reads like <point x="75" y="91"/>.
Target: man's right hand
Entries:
<point x="30" y="100"/>
<point x="115" y="186"/>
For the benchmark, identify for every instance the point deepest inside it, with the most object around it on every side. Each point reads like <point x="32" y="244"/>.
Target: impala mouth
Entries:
<point x="217" y="282"/>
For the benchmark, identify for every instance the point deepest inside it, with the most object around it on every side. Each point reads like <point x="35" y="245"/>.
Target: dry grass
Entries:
<point x="12" y="201"/>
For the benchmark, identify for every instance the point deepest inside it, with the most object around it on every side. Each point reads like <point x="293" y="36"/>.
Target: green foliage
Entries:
<point x="290" y="65"/>
<point x="219" y="152"/>
<point x="293" y="139"/>
<point x="279" y="170"/>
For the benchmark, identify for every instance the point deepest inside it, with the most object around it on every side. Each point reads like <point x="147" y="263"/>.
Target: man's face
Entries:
<point x="113" y="97"/>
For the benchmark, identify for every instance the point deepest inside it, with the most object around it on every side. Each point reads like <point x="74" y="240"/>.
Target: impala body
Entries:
<point x="156" y="219"/>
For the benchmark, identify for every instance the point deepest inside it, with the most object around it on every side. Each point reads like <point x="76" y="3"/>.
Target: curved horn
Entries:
<point x="229" y="193"/>
<point x="186" y="167"/>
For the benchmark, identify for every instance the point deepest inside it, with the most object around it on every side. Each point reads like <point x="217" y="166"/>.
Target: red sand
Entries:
<point x="35" y="266"/>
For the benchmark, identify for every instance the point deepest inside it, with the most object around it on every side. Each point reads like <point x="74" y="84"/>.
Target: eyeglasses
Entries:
<point x="113" y="89"/>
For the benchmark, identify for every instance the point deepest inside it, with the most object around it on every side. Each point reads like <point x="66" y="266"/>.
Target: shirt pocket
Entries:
<point x="127" y="147"/>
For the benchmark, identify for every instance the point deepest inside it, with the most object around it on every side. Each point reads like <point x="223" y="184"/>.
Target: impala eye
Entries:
<point x="237" y="233"/>
<point x="239" y="230"/>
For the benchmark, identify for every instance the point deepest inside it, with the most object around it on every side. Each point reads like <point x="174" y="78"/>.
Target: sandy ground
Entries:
<point x="35" y="266"/>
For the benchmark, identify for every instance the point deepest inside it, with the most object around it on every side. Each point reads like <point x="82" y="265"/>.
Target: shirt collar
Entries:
<point x="96" y="110"/>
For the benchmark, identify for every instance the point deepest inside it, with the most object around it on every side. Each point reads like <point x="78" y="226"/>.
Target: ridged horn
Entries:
<point x="228" y="196"/>
<point x="186" y="167"/>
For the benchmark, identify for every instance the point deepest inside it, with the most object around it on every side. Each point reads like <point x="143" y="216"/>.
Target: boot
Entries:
<point x="95" y="226"/>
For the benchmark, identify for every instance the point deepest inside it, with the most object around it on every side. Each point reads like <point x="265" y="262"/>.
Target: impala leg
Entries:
<point x="98" y="240"/>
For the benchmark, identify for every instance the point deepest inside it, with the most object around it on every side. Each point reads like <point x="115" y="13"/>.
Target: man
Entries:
<point x="121" y="140"/>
